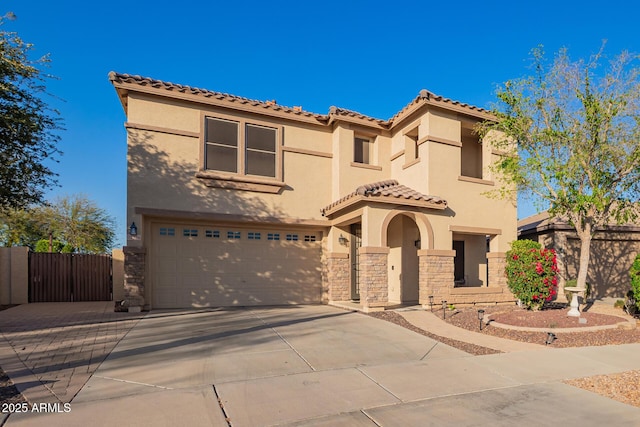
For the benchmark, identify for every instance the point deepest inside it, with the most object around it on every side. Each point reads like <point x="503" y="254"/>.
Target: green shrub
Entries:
<point x="43" y="246"/>
<point x="634" y="272"/>
<point x="68" y="249"/>
<point x="531" y="273"/>
<point x="619" y="304"/>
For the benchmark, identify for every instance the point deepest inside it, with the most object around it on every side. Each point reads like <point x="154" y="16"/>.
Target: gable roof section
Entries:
<point x="128" y="82"/>
<point x="389" y="191"/>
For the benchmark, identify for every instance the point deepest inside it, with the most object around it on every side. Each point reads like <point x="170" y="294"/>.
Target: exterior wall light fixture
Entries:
<point x="133" y="230"/>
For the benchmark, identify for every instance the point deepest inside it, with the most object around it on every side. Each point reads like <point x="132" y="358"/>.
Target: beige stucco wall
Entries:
<point x="612" y="254"/>
<point x="117" y="260"/>
<point x="14" y="275"/>
<point x="162" y="167"/>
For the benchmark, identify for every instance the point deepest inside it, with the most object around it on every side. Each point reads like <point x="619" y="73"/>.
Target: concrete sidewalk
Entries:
<point x="322" y="366"/>
<point x="428" y="321"/>
<point x="52" y="349"/>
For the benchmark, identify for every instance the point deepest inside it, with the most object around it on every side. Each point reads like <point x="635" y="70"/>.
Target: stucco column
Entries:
<point x="338" y="276"/>
<point x="374" y="286"/>
<point x="435" y="274"/>
<point x="134" y="280"/>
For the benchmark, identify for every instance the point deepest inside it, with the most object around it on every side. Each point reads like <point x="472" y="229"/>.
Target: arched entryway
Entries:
<point x="403" y="237"/>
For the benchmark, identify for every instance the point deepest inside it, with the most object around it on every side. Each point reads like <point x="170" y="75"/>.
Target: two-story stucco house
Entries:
<point x="243" y="202"/>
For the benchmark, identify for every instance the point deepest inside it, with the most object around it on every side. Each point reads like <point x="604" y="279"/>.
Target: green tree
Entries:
<point x="77" y="222"/>
<point x="27" y="124"/>
<point x="81" y="223"/>
<point x="18" y="227"/>
<point x="575" y="126"/>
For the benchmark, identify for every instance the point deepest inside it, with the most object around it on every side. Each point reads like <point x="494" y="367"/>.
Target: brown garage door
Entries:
<point x="209" y="266"/>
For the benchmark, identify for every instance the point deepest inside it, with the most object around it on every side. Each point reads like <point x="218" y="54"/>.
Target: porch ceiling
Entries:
<point x="389" y="191"/>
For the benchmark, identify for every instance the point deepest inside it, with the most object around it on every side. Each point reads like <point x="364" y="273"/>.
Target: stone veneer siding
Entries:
<point x="134" y="267"/>
<point x="436" y="278"/>
<point x="436" y="275"/>
<point x="374" y="286"/>
<point x="338" y="277"/>
<point x="497" y="262"/>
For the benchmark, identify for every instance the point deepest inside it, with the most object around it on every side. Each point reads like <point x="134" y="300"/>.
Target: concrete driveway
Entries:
<point x="318" y="365"/>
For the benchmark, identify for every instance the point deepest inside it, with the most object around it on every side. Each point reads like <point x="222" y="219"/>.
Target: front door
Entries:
<point x="458" y="262"/>
<point x="356" y="242"/>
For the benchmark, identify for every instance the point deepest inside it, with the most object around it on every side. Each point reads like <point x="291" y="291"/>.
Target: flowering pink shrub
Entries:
<point x="531" y="273"/>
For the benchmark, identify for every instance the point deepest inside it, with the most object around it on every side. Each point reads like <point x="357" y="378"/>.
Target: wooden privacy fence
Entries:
<point x="69" y="277"/>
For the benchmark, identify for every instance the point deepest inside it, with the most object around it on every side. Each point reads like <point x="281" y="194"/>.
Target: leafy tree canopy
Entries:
<point x="575" y="126"/>
<point x="27" y="124"/>
<point x="75" y="222"/>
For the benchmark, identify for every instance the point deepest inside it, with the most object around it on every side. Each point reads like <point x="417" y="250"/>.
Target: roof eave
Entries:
<point x="277" y="111"/>
<point x="351" y="202"/>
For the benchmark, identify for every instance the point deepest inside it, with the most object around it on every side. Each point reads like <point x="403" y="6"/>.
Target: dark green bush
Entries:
<point x="634" y="272"/>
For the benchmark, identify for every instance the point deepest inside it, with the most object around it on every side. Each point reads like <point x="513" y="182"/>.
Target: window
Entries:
<point x="233" y="234"/>
<point x="253" y="236"/>
<point x="189" y="232"/>
<point x="221" y="145"/>
<point x="240" y="148"/>
<point x="362" y="150"/>
<point x="292" y="237"/>
<point x="273" y="236"/>
<point x="212" y="233"/>
<point x="165" y="231"/>
<point x="311" y="238"/>
<point x="411" y="145"/>
<point x="261" y="150"/>
<point x="470" y="154"/>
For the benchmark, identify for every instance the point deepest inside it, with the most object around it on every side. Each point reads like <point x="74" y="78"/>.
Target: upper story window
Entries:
<point x="411" y="145"/>
<point x="363" y="150"/>
<point x="240" y="147"/>
<point x="470" y="154"/>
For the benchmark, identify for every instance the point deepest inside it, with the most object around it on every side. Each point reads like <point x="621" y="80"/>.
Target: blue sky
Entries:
<point x="368" y="56"/>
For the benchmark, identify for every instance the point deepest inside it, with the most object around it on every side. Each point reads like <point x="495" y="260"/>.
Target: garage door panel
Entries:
<point x="202" y="270"/>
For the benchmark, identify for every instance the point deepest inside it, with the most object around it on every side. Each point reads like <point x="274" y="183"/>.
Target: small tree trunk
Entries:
<point x="585" y="254"/>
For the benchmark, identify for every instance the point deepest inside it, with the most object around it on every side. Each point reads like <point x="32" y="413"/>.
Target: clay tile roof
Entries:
<point x="335" y="111"/>
<point x="387" y="190"/>
<point x="429" y="96"/>
<point x="174" y="87"/>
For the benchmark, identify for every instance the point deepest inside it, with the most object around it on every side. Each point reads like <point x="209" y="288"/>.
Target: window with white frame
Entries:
<point x="240" y="147"/>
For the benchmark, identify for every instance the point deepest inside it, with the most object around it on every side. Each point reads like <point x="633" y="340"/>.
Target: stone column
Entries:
<point x="435" y="275"/>
<point x="497" y="262"/>
<point x="374" y="285"/>
<point x="134" y="280"/>
<point x="338" y="277"/>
